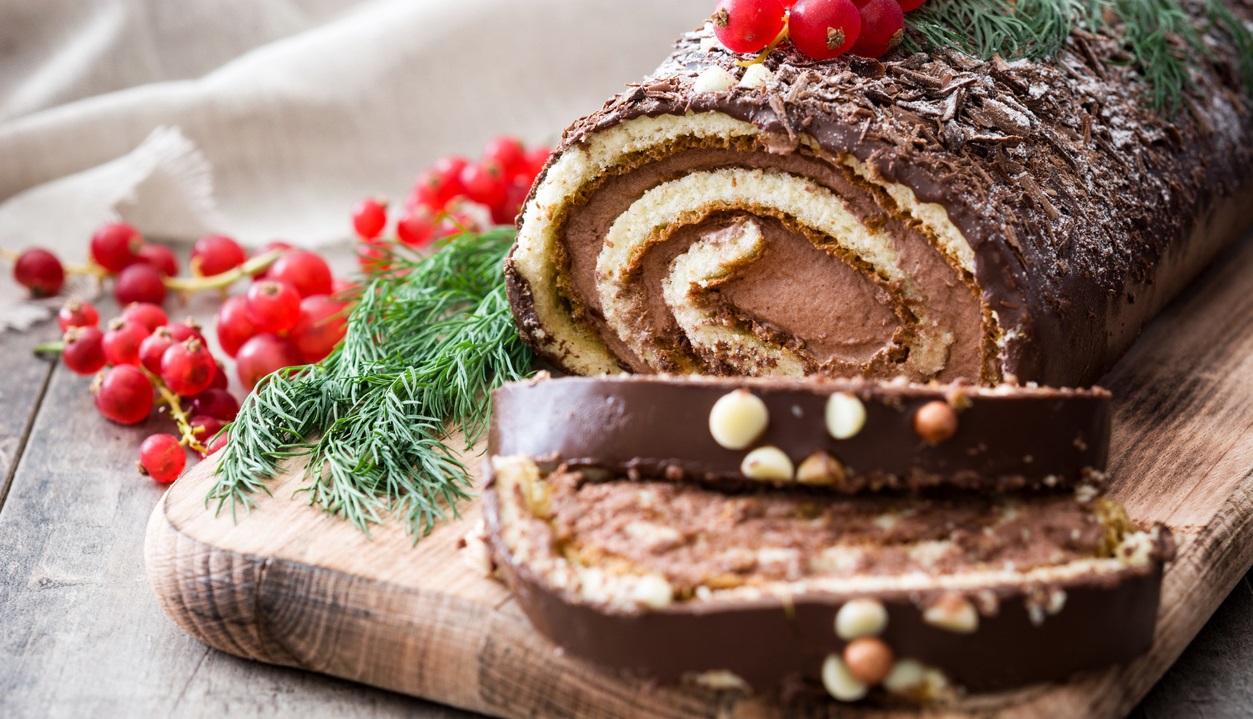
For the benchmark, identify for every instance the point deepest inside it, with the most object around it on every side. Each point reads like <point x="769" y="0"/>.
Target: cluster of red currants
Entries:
<point x="821" y="29"/>
<point x="453" y="195"/>
<point x="286" y="317"/>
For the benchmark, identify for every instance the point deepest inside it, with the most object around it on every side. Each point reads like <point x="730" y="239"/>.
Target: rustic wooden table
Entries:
<point x="81" y="634"/>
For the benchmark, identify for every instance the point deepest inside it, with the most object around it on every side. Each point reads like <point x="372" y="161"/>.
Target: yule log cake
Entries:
<point x="929" y="216"/>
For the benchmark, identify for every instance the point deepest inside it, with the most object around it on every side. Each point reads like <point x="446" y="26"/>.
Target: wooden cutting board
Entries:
<point x="290" y="585"/>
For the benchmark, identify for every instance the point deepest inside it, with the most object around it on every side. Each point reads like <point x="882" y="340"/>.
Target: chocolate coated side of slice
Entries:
<point x="1093" y="619"/>
<point x="659" y="427"/>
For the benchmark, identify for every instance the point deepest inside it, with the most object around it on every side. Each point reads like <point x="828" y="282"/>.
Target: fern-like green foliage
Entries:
<point x="428" y="341"/>
<point x="1162" y="37"/>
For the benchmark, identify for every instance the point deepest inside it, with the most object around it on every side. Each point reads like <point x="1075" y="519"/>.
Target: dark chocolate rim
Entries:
<point x="658" y="427"/>
<point x="1105" y="619"/>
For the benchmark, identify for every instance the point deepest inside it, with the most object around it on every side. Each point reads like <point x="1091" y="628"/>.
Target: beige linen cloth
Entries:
<point x="268" y="119"/>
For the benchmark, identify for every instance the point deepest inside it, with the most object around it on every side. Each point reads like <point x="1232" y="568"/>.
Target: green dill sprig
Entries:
<point x="1163" y="39"/>
<point x="1013" y="29"/>
<point x="427" y="342"/>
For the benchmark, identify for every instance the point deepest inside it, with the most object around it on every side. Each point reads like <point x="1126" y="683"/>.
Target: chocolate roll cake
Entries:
<point x="789" y="588"/>
<point x="928" y="216"/>
<point x="842" y="435"/>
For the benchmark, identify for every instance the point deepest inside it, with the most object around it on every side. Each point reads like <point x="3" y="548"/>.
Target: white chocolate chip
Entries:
<point x="839" y="681"/>
<point x="756" y="76"/>
<point x="906" y="675"/>
<point x="738" y="419"/>
<point x="952" y="613"/>
<point x="860" y="618"/>
<point x="713" y="79"/>
<point x="768" y="463"/>
<point x="653" y="591"/>
<point x="846" y="415"/>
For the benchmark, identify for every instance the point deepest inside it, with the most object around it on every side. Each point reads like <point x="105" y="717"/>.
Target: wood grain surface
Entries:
<point x="289" y="585"/>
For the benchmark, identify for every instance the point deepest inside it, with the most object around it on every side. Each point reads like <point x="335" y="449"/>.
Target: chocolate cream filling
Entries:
<point x="696" y="537"/>
<point x="804" y="292"/>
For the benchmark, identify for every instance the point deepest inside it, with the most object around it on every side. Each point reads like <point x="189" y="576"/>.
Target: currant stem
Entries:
<point x="225" y="279"/>
<point x="50" y="348"/>
<point x="177" y="413"/>
<point x="761" y="56"/>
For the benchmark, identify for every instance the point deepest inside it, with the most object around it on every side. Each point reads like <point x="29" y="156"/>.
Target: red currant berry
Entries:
<point x="215" y="254"/>
<point x="83" y="352"/>
<point x="747" y="25"/>
<point x="220" y="381"/>
<point x="39" y="271"/>
<point x="162" y="458"/>
<point x="273" y="306"/>
<point x="485" y="182"/>
<point x="216" y="403"/>
<point x="217" y="444"/>
<point x="185" y="330"/>
<point x="116" y="246"/>
<point x="160" y="257"/>
<point x="910" y="5"/>
<point x="882" y="28"/>
<point x="139" y="283"/>
<point x="146" y="314"/>
<point x="76" y="313"/>
<point x="267" y="248"/>
<point x="187" y="368"/>
<point x="416" y="228"/>
<point x="123" y="394"/>
<point x="375" y="256"/>
<point x="507" y="211"/>
<point x="264" y="354"/>
<point x="234" y="325"/>
<point x="204" y="428"/>
<point x="122" y="340"/>
<point x="305" y="271"/>
<point x="441" y="183"/>
<point x="369" y="218"/>
<point x="153" y="348"/>
<point x="508" y="152"/>
<point x="824" y="29"/>
<point x="536" y="158"/>
<point x="322" y="325"/>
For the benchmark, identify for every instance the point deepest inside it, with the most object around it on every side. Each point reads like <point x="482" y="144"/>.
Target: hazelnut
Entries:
<point x="820" y="468"/>
<point x="906" y="675"/>
<point x="868" y="659"/>
<point x="935" y="422"/>
<point x="845" y="415"/>
<point x="860" y="618"/>
<point x="768" y="463"/>
<point x="840" y="682"/>
<point x="713" y="79"/>
<point x="738" y="419"/>
<point x="952" y="613"/>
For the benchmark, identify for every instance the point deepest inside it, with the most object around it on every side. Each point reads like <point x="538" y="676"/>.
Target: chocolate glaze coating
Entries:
<point x="1087" y="209"/>
<point x="657" y="426"/>
<point x="768" y="642"/>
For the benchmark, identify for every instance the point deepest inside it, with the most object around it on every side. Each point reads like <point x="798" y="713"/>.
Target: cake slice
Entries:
<point x="842" y="435"/>
<point x="918" y="596"/>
